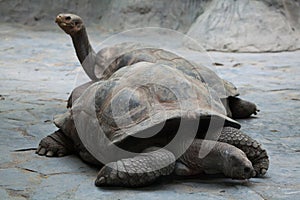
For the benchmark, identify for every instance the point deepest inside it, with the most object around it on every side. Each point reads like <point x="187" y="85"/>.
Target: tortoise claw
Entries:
<point x="42" y="151"/>
<point x="49" y="154"/>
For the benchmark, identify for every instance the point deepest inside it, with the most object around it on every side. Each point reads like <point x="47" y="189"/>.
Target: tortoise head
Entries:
<point x="238" y="166"/>
<point x="70" y="23"/>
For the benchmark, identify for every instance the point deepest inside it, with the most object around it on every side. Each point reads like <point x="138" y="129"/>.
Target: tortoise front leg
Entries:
<point x="55" y="144"/>
<point x="138" y="171"/>
<point x="255" y="153"/>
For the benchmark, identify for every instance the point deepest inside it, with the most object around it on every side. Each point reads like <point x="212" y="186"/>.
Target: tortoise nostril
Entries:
<point x="68" y="18"/>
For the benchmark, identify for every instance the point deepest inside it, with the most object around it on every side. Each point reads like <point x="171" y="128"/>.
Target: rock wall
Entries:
<point x="222" y="25"/>
<point x="173" y="14"/>
<point x="111" y="15"/>
<point x="36" y="12"/>
<point x="249" y="26"/>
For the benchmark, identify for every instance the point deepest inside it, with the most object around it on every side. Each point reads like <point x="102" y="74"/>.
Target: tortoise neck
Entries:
<point x="81" y="44"/>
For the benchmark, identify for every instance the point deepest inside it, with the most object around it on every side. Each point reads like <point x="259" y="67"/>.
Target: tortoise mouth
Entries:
<point x="62" y="23"/>
<point x="67" y="20"/>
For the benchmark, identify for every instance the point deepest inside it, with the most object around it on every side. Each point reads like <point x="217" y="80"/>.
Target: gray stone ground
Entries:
<point x="38" y="70"/>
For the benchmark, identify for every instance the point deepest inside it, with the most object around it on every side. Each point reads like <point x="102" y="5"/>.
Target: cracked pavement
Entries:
<point x="38" y="69"/>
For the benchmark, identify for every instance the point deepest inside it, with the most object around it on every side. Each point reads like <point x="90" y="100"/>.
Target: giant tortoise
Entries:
<point x="103" y="64"/>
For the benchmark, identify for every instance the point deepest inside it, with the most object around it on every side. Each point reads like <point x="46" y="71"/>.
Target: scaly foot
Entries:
<point x="56" y="144"/>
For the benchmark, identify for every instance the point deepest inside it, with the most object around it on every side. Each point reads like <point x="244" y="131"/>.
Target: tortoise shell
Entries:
<point x="139" y="97"/>
<point x="142" y="100"/>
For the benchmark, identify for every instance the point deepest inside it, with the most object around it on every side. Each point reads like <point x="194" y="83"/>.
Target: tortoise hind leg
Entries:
<point x="240" y="108"/>
<point x="55" y="144"/>
<point x="138" y="171"/>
